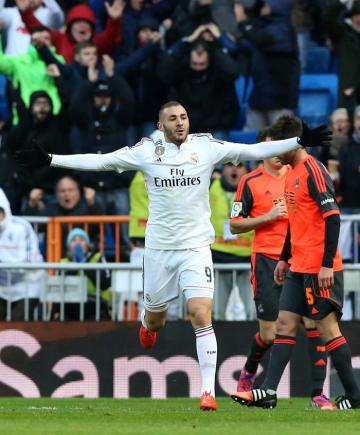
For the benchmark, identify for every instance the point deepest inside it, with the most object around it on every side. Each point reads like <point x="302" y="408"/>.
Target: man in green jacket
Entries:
<point x="29" y="72"/>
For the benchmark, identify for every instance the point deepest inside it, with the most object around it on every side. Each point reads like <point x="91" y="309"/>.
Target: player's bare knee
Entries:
<point x="328" y="330"/>
<point x="286" y="325"/>
<point x="200" y="317"/>
<point x="200" y="312"/>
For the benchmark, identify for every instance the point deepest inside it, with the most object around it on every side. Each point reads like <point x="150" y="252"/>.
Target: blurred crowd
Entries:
<point x="90" y="77"/>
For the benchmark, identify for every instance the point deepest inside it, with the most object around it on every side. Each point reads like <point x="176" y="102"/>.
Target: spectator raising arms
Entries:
<point x="39" y="123"/>
<point x="16" y="35"/>
<point x="275" y="68"/>
<point x="69" y="201"/>
<point x="202" y="76"/>
<point x="140" y="70"/>
<point x="80" y="26"/>
<point x="345" y="34"/>
<point x="29" y="73"/>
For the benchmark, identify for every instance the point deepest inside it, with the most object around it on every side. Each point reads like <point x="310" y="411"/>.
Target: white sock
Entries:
<point x="142" y="316"/>
<point x="206" y="347"/>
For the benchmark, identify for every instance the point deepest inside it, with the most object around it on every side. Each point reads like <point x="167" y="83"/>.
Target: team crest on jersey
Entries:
<point x="236" y="209"/>
<point x="159" y="150"/>
<point x="147" y="297"/>
<point x="194" y="158"/>
<point x="297" y="183"/>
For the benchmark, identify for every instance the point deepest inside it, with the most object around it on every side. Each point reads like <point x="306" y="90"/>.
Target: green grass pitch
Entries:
<point x="168" y="417"/>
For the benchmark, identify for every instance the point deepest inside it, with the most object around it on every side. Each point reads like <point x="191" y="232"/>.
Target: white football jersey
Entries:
<point x="177" y="180"/>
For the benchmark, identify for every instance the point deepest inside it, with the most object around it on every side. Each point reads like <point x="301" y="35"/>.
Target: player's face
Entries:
<point x="275" y="163"/>
<point x="287" y="158"/>
<point x="174" y="123"/>
<point x="67" y="193"/>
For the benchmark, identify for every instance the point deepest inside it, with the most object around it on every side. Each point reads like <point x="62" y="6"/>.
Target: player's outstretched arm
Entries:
<point x="37" y="157"/>
<point x="235" y="152"/>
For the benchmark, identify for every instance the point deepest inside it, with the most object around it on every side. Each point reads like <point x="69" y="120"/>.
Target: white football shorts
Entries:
<point x="167" y="272"/>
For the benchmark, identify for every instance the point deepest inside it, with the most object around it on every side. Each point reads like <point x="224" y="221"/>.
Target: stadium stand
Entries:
<point x="318" y="96"/>
<point x="4" y="108"/>
<point x="243" y="87"/>
<point x="246" y="136"/>
<point x="318" y="60"/>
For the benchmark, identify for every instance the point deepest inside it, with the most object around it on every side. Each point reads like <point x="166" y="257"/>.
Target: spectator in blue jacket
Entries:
<point x="86" y="65"/>
<point x="134" y="12"/>
<point x="139" y="69"/>
<point x="270" y="40"/>
<point x="201" y="76"/>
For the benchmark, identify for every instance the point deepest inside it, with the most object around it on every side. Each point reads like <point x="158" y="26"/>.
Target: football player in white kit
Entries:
<point x="177" y="255"/>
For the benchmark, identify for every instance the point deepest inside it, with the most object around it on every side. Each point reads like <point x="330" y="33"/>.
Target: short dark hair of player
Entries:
<point x="263" y="134"/>
<point x="84" y="44"/>
<point x="167" y="105"/>
<point x="286" y="127"/>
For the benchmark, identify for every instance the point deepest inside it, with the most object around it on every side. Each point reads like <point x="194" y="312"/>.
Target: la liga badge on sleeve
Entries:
<point x="236" y="209"/>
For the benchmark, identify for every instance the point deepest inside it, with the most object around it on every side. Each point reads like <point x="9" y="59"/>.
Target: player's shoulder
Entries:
<point x="245" y="183"/>
<point x="314" y="167"/>
<point x="253" y="176"/>
<point x="145" y="142"/>
<point x="143" y="147"/>
<point x="205" y="138"/>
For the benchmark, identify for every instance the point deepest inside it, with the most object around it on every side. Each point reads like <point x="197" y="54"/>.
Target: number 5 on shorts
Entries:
<point x="309" y="296"/>
<point x="208" y="273"/>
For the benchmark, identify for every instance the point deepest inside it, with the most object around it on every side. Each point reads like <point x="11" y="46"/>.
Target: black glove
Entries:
<point x="36" y="157"/>
<point x="315" y="137"/>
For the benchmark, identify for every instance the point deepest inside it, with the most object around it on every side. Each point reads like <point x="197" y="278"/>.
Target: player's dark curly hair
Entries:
<point x="286" y="127"/>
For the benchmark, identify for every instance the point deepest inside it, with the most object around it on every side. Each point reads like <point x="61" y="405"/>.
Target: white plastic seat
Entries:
<point x="127" y="287"/>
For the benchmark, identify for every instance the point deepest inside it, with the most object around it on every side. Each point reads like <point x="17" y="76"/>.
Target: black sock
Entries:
<point x="280" y="356"/>
<point x="340" y="354"/>
<point x="257" y="351"/>
<point x="318" y="357"/>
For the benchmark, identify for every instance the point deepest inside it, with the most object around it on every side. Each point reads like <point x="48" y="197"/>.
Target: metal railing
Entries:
<point x="55" y="226"/>
<point x="127" y="292"/>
